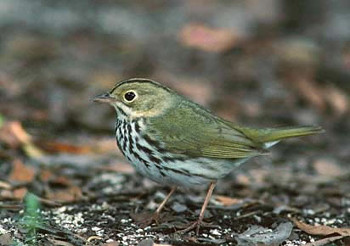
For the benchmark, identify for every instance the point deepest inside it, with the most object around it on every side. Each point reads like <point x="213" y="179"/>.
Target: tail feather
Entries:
<point x="269" y="135"/>
<point x="278" y="134"/>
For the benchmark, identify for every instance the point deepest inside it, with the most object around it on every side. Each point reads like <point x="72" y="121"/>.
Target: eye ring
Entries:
<point x="130" y="96"/>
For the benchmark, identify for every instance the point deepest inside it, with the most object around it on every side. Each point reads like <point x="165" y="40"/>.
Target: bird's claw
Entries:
<point x="197" y="224"/>
<point x="145" y="219"/>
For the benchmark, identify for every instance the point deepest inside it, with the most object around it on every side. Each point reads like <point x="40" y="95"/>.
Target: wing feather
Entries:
<point x="191" y="130"/>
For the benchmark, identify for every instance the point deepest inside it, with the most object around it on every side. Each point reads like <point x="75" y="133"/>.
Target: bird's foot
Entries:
<point x="197" y="224"/>
<point x="145" y="219"/>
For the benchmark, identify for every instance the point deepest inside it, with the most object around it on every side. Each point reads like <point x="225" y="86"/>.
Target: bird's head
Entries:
<point x="135" y="98"/>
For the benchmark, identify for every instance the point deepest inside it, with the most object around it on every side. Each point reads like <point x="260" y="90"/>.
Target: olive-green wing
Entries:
<point x="191" y="130"/>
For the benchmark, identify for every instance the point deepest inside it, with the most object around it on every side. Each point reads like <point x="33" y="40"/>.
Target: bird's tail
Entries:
<point x="270" y="136"/>
<point x="276" y="134"/>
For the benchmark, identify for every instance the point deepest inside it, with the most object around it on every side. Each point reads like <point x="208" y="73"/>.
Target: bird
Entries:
<point x="176" y="142"/>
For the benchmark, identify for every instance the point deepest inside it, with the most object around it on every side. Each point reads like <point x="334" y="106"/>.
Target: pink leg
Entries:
<point x="146" y="219"/>
<point x="161" y="206"/>
<point x="200" y="222"/>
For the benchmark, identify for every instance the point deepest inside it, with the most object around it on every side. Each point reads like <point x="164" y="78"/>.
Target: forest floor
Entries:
<point x="86" y="194"/>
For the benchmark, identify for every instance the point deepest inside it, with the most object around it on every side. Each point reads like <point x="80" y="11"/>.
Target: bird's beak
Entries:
<point x="104" y="98"/>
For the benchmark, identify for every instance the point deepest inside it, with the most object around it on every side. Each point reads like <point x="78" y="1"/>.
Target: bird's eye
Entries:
<point x="129" y="96"/>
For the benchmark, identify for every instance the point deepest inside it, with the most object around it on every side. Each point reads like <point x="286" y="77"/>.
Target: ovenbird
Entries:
<point x="176" y="142"/>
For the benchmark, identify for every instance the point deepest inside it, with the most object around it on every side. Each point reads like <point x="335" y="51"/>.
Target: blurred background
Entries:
<point x="264" y="63"/>
<point x="260" y="63"/>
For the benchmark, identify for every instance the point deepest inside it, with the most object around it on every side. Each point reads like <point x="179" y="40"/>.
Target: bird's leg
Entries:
<point x="200" y="222"/>
<point x="147" y="219"/>
<point x="161" y="206"/>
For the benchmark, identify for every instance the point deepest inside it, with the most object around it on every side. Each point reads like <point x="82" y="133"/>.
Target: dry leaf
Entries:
<point x="17" y="194"/>
<point x="337" y="99"/>
<point x="31" y="150"/>
<point x="58" y="147"/>
<point x="6" y="194"/>
<point x="45" y="175"/>
<point x="13" y="134"/>
<point x="327" y="168"/>
<point x="323" y="97"/>
<point x="258" y="235"/>
<point x="93" y="238"/>
<point x="243" y="179"/>
<point x="7" y="136"/>
<point x="227" y="201"/>
<point x="17" y="130"/>
<point x="311" y="93"/>
<point x="71" y="194"/>
<point x="207" y="38"/>
<point x="61" y="180"/>
<point x="119" y="167"/>
<point x="320" y="230"/>
<point x="105" y="145"/>
<point x="21" y="172"/>
<point x="324" y="241"/>
<point x="5" y="185"/>
<point x="20" y="193"/>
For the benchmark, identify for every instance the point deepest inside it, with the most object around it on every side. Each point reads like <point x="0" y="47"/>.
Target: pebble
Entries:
<point x="2" y="230"/>
<point x="177" y="207"/>
<point x="95" y="228"/>
<point x="215" y="232"/>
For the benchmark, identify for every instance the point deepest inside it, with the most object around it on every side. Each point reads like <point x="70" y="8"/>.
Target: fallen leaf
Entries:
<point x="21" y="172"/>
<point x="5" y="185"/>
<point x="105" y="145"/>
<point x="327" y="167"/>
<point x="16" y="194"/>
<point x="206" y="38"/>
<point x="321" y="229"/>
<point x="58" y="147"/>
<point x="257" y="235"/>
<point x="13" y="134"/>
<point x="311" y="93"/>
<point x="228" y="201"/>
<point x="31" y="150"/>
<point x="71" y="194"/>
<point x="93" y="238"/>
<point x="243" y="179"/>
<point x="324" y="241"/>
<point x="18" y="131"/>
<point x="119" y="167"/>
<point x="7" y="137"/>
<point x="20" y="193"/>
<point x="337" y="99"/>
<point x="323" y="98"/>
<point x="61" y="180"/>
<point x="45" y="175"/>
